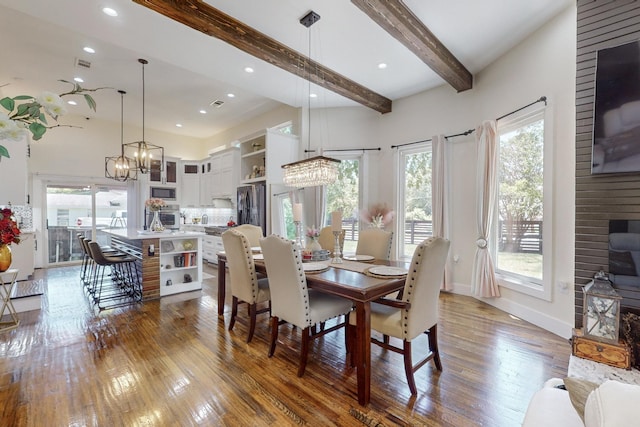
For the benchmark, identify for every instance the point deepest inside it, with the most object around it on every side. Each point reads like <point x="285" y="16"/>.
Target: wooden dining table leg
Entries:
<point x="363" y="352"/>
<point x="222" y="282"/>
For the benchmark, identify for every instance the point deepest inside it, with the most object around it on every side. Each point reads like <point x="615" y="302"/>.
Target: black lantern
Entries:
<point x="601" y="310"/>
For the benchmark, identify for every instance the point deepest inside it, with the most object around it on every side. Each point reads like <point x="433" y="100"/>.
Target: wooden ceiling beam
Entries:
<point x="399" y="21"/>
<point x="213" y="22"/>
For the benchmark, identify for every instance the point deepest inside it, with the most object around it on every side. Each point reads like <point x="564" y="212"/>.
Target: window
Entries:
<point x="523" y="213"/>
<point x="344" y="194"/>
<point x="414" y="198"/>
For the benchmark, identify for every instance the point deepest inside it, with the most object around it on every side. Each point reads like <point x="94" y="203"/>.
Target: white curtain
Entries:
<point x="440" y="197"/>
<point x="483" y="281"/>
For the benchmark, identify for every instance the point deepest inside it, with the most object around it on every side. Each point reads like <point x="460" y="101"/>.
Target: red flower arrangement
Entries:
<point x="9" y="231"/>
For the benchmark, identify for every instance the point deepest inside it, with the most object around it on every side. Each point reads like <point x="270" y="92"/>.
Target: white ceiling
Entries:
<point x="187" y="70"/>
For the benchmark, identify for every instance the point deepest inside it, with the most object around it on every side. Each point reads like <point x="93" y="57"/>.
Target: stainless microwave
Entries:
<point x="166" y="193"/>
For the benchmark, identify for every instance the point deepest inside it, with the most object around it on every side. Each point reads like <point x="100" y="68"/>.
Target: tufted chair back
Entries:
<point x="253" y="233"/>
<point x="422" y="286"/>
<point x="242" y="270"/>
<point x="375" y="242"/>
<point x="288" y="284"/>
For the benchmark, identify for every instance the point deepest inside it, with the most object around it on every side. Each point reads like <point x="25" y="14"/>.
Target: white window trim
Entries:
<point x="543" y="289"/>
<point x="400" y="191"/>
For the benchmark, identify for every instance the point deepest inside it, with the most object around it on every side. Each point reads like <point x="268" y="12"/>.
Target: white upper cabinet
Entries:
<point x="190" y="184"/>
<point x="263" y="154"/>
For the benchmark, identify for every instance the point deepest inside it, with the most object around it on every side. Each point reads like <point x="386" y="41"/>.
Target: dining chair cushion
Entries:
<point x="291" y="301"/>
<point x="253" y="233"/>
<point x="375" y="242"/>
<point x="245" y="284"/>
<point x="323" y="306"/>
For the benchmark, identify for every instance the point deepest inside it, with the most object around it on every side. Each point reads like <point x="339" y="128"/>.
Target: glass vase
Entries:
<point x="314" y="245"/>
<point x="5" y="258"/>
<point x="156" y="224"/>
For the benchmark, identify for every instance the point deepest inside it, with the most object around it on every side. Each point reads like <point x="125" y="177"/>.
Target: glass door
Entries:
<point x="84" y="209"/>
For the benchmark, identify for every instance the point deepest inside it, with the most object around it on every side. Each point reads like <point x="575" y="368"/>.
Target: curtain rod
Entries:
<point x="541" y="99"/>
<point x="470" y="131"/>
<point x="346" y="149"/>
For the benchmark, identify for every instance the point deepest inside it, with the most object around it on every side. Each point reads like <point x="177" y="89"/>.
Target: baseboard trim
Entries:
<point x="523" y="312"/>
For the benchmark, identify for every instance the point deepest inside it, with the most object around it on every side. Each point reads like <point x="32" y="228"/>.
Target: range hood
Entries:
<point x="222" y="203"/>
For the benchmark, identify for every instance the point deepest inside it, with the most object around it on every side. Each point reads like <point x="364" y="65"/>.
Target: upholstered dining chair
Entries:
<point x="328" y="241"/>
<point x="375" y="242"/>
<point x="246" y="287"/>
<point x="415" y="313"/>
<point x="292" y="301"/>
<point x="252" y="232"/>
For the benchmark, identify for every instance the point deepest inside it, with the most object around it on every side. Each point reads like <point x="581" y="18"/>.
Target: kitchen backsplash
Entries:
<point x="23" y="216"/>
<point x="215" y="216"/>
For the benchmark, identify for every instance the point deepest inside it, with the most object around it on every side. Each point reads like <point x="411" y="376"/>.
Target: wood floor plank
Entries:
<point x="173" y="362"/>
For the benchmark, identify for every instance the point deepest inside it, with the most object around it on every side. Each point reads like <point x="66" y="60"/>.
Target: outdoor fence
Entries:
<point x="522" y="236"/>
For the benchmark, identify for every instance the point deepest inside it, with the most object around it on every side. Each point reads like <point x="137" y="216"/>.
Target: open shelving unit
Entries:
<point x="180" y="265"/>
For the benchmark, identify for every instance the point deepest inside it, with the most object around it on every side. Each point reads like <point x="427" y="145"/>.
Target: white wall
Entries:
<point x="80" y="151"/>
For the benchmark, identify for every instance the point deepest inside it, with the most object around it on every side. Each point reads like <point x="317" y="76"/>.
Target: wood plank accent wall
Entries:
<point x="599" y="198"/>
<point x="150" y="270"/>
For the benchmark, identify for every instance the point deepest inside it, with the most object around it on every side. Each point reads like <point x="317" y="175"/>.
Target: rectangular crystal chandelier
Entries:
<point x="318" y="170"/>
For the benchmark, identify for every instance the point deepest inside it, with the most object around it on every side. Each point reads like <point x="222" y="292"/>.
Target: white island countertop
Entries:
<point x="141" y="235"/>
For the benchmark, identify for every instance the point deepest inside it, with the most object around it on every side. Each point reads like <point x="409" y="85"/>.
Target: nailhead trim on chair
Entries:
<point x="412" y="280"/>
<point x="254" y="277"/>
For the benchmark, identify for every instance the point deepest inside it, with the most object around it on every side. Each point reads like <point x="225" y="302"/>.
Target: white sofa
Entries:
<point x="610" y="404"/>
<point x="551" y="406"/>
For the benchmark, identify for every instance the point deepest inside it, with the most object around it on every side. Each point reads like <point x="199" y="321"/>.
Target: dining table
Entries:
<point x="348" y="280"/>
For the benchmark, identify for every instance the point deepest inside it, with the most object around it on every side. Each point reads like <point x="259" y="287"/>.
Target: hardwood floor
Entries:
<point x="173" y="363"/>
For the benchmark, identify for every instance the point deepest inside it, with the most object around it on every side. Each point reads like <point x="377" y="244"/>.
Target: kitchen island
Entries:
<point x="169" y="262"/>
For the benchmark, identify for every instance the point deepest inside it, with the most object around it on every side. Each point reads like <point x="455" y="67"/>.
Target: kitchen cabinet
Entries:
<point x="190" y="184"/>
<point x="206" y="182"/>
<point x="264" y="153"/>
<point x="180" y="265"/>
<point x="261" y="158"/>
<point x="14" y="170"/>
<point x="164" y="173"/>
<point x="224" y="177"/>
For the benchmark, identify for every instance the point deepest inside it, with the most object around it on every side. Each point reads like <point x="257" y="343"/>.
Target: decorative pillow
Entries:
<point x="622" y="263"/>
<point x="579" y="391"/>
<point x="612" y="404"/>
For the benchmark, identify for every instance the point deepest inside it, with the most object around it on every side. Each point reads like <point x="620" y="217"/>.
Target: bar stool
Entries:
<point x="125" y="281"/>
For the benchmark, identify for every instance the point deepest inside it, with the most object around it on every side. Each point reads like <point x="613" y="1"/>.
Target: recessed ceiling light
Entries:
<point x="89" y="49"/>
<point x="78" y="79"/>
<point x="382" y="65"/>
<point x="178" y="125"/>
<point x="203" y="111"/>
<point x="231" y="95"/>
<point x="109" y="11"/>
<point x="248" y="69"/>
<point x="72" y="102"/>
<point x="313" y="95"/>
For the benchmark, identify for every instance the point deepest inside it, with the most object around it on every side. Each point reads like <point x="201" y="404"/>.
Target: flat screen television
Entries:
<point x="624" y="254"/>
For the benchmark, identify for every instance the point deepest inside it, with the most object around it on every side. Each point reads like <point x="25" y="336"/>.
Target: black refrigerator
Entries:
<point x="252" y="205"/>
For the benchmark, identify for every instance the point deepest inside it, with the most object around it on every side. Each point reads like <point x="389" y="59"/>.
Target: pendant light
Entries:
<point x="317" y="170"/>
<point x="142" y="151"/>
<point x="120" y="168"/>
